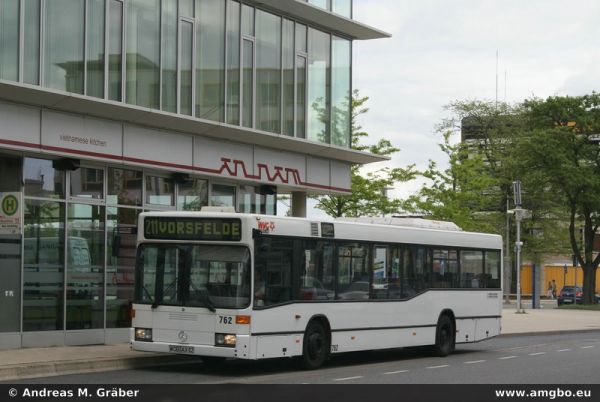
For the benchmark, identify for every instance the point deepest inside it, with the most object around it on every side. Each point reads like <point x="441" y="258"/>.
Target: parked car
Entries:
<point x="570" y="295"/>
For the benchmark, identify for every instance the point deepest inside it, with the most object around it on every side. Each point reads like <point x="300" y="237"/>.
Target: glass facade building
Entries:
<point x="217" y="60"/>
<point x="109" y="108"/>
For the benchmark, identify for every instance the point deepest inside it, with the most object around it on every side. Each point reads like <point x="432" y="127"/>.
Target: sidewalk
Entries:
<point x="41" y="362"/>
<point x="548" y="320"/>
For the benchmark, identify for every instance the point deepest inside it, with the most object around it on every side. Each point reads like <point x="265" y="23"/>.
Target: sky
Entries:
<point x="443" y="50"/>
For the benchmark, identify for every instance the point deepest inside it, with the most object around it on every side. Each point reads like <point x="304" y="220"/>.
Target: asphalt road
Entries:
<point x="541" y="359"/>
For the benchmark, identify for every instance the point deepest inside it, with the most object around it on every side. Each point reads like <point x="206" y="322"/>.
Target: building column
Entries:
<point x="299" y="204"/>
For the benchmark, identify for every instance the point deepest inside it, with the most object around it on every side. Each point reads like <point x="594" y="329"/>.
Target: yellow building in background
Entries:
<point x="556" y="272"/>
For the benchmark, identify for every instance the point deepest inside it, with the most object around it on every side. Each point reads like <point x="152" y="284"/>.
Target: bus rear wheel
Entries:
<point x="445" y="339"/>
<point x="316" y="346"/>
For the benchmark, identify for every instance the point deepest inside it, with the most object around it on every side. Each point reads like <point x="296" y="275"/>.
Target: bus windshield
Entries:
<point x="211" y="276"/>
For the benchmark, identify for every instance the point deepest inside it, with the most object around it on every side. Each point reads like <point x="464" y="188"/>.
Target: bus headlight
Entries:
<point x="143" y="334"/>
<point x="228" y="340"/>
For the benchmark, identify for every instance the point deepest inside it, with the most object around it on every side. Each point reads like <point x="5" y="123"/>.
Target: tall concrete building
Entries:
<point x="113" y="107"/>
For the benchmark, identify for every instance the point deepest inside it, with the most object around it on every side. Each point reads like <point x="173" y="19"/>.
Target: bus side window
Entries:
<point x="353" y="274"/>
<point x="445" y="268"/>
<point x="278" y="272"/>
<point x="316" y="271"/>
<point x="379" y="288"/>
<point x="395" y="275"/>
<point x="417" y="268"/>
<point x="471" y="269"/>
<point x="492" y="270"/>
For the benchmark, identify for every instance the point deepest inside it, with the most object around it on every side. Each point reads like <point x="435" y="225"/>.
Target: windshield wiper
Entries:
<point x="149" y="295"/>
<point x="209" y="305"/>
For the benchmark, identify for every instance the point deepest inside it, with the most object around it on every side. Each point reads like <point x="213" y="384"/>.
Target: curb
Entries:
<point x="57" y="368"/>
<point x="551" y="332"/>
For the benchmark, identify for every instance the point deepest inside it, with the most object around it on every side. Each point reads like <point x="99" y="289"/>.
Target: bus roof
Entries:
<point x="347" y="230"/>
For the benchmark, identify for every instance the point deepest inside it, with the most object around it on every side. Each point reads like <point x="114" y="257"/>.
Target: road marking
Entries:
<point x="537" y="354"/>
<point x="564" y="350"/>
<point x="475" y="361"/>
<point x="436" y="367"/>
<point x="395" y="372"/>
<point x="586" y="347"/>
<point x="507" y="357"/>
<point x="521" y="347"/>
<point x="348" y="378"/>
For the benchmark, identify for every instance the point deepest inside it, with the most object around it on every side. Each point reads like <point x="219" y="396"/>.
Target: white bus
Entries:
<point x="228" y="285"/>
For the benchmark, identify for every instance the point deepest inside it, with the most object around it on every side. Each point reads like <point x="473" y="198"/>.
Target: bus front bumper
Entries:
<point x="239" y="351"/>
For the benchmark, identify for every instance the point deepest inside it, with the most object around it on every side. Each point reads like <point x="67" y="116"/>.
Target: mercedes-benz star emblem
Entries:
<point x="182" y="336"/>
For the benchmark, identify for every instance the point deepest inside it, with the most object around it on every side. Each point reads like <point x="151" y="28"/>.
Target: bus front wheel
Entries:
<point x="444" y="336"/>
<point x="315" y="348"/>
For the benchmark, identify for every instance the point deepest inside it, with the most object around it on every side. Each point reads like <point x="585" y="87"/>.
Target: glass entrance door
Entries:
<point x="10" y="283"/>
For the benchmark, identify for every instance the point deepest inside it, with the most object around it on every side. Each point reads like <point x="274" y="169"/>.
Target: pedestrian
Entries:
<point x="549" y="292"/>
<point x="553" y="289"/>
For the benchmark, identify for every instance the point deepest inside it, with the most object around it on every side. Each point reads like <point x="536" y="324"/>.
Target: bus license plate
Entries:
<point x="181" y="349"/>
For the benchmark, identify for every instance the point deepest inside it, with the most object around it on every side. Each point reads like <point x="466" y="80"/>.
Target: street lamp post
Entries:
<point x="519" y="212"/>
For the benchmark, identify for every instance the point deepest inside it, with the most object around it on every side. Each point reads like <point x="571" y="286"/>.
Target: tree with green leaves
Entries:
<point x="562" y="147"/>
<point x="369" y="190"/>
<point x="459" y="193"/>
<point x="474" y="190"/>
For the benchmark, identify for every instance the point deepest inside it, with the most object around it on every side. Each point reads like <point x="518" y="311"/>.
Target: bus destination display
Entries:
<point x="176" y="228"/>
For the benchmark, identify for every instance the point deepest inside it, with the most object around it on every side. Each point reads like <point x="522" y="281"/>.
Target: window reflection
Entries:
<point x="31" y="45"/>
<point x="342" y="7"/>
<point x="288" y="62"/>
<point x="340" y="88"/>
<point x="185" y="60"/>
<point x="124" y="187"/>
<point x="210" y="60"/>
<point x="95" y="48"/>
<point x="268" y="72"/>
<point x="9" y="40"/>
<point x="87" y="183"/>
<point x="233" y="62"/>
<point x="247" y="83"/>
<point x="122" y="236"/>
<point x="143" y="53"/>
<point x="257" y="200"/>
<point x="169" y="55"/>
<point x="42" y="180"/>
<point x="222" y="195"/>
<point x="85" y="267"/>
<point x="43" y="259"/>
<point x="115" y="47"/>
<point x="319" y="65"/>
<point x="159" y="191"/>
<point x="248" y="200"/>
<point x="64" y="45"/>
<point x="192" y="195"/>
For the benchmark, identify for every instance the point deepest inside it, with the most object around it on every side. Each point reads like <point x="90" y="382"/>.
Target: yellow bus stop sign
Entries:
<point x="10" y="205"/>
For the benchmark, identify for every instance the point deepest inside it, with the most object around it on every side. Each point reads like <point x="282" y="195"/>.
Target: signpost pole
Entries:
<point x="518" y="244"/>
